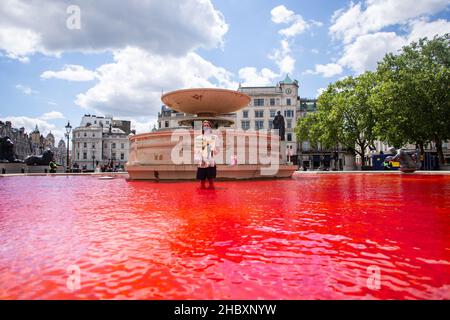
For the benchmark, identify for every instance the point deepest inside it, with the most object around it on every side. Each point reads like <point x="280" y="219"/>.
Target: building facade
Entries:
<point x="97" y="142"/>
<point x="263" y="107"/>
<point x="21" y="140"/>
<point x="168" y="118"/>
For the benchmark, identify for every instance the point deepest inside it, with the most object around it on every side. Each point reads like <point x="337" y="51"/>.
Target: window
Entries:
<point x="245" y="125"/>
<point x="93" y="135"/>
<point x="289" y="137"/>
<point x="85" y="145"/>
<point x="95" y="121"/>
<point x="113" y="156"/>
<point x="272" y="101"/>
<point x="113" y="145"/>
<point x="272" y="113"/>
<point x="85" y="134"/>
<point x="289" y="113"/>
<point x="159" y="125"/>
<point x="84" y="155"/>
<point x="166" y="124"/>
<point x="78" y="155"/>
<point x="107" y="122"/>
<point x="270" y="124"/>
<point x="78" y="144"/>
<point x="258" y="102"/>
<point x="259" y="113"/>
<point x="122" y="156"/>
<point x="289" y="123"/>
<point x="288" y="101"/>
<point x="259" y="124"/>
<point x="122" y="146"/>
<point x="93" y="146"/>
<point x="245" y="114"/>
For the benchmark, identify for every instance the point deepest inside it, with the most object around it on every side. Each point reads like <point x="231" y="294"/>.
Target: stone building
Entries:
<point x="98" y="142"/>
<point x="21" y="140"/>
<point x="264" y="105"/>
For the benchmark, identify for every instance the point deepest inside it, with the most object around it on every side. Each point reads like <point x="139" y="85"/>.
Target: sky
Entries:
<point x="62" y="59"/>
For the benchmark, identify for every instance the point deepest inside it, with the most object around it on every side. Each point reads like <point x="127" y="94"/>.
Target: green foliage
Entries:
<point x="412" y="99"/>
<point x="343" y="116"/>
<point x="407" y="100"/>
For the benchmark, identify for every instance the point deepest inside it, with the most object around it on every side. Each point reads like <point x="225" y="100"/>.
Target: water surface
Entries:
<point x="311" y="237"/>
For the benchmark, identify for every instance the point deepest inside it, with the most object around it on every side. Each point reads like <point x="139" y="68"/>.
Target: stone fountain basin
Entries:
<point x="208" y="101"/>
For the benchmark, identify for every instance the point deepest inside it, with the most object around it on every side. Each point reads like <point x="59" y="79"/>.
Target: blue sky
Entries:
<point x="123" y="55"/>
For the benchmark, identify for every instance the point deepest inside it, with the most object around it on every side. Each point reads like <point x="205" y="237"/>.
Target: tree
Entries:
<point x="412" y="98"/>
<point x="344" y="116"/>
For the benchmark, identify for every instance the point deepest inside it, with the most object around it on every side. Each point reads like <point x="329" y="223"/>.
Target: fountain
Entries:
<point x="168" y="154"/>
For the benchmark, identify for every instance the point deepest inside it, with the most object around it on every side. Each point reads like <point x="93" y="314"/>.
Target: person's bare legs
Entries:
<point x="211" y="183"/>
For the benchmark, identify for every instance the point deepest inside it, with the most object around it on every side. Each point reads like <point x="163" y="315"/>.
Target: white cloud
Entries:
<point x="326" y="70"/>
<point x="142" y="125"/>
<point x="132" y="84"/>
<point x="26" y="89"/>
<point x="18" y="43"/>
<point x="162" y="27"/>
<point x="283" y="58"/>
<point x="375" y="15"/>
<point x="421" y="28"/>
<point x="52" y="115"/>
<point x="252" y="77"/>
<point x="70" y="73"/>
<point x="364" y="53"/>
<point x="360" y="29"/>
<point x="315" y="51"/>
<point x="319" y="91"/>
<point x="281" y="14"/>
<point x="296" y="28"/>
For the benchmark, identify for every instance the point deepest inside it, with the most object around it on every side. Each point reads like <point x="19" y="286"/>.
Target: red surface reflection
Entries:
<point x="311" y="237"/>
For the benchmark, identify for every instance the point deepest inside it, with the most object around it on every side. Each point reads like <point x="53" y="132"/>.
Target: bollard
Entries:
<point x="3" y="170"/>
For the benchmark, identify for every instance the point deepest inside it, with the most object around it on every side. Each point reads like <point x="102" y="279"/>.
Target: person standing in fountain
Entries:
<point x="206" y="147"/>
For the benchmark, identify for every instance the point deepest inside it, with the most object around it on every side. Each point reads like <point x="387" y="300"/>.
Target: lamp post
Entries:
<point x="68" y="130"/>
<point x="93" y="162"/>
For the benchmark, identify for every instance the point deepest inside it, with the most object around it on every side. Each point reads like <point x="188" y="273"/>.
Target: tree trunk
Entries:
<point x="421" y="154"/>
<point x="440" y="153"/>
<point x="362" y="155"/>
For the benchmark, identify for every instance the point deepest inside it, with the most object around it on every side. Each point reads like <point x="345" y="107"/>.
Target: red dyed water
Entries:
<point x="312" y="237"/>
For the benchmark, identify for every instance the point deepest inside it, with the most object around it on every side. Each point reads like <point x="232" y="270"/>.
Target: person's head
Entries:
<point x="206" y="126"/>
<point x="278" y="112"/>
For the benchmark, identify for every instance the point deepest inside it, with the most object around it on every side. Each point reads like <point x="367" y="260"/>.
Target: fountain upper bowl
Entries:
<point x="206" y="101"/>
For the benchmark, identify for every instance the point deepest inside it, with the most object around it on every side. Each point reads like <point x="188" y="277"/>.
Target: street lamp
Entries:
<point x="93" y="162"/>
<point x="67" y="134"/>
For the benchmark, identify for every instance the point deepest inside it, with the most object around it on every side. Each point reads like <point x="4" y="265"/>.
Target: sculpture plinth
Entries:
<point x="154" y="155"/>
